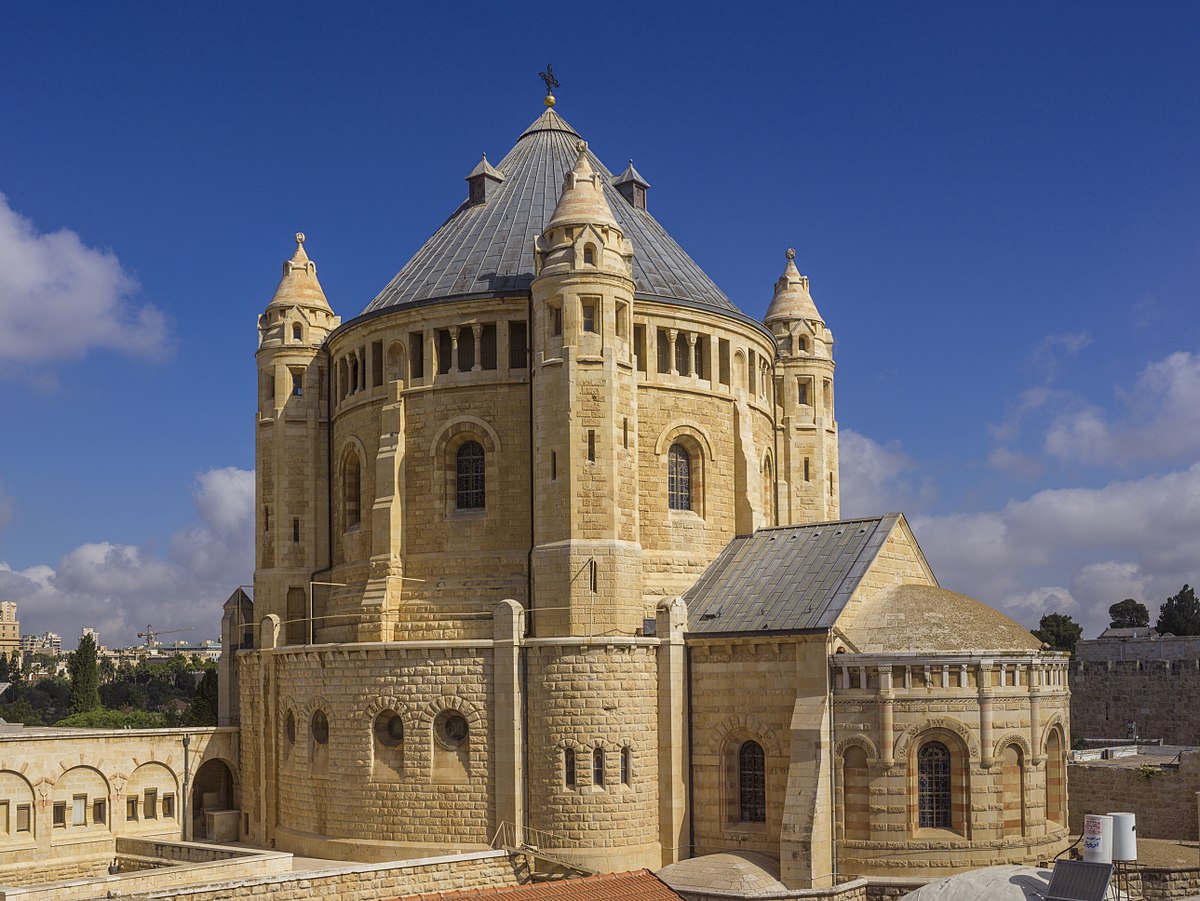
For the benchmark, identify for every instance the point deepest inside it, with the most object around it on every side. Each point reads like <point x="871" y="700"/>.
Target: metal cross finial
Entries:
<point x="548" y="77"/>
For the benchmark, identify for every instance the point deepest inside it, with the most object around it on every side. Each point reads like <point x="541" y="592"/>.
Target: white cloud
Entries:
<point x="1048" y="353"/>
<point x="120" y="588"/>
<point x="1030" y="606"/>
<point x="878" y="478"/>
<point x="60" y="298"/>
<point x="1137" y="538"/>
<point x="1016" y="463"/>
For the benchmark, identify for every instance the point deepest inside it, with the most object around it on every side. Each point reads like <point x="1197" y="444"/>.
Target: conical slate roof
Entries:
<point x="487" y="248"/>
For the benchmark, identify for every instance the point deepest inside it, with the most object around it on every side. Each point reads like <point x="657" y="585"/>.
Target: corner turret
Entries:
<point x="804" y="393"/>
<point x="293" y="421"/>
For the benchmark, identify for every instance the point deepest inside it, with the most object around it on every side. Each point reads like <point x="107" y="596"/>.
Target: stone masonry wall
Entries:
<point x="584" y="698"/>
<point x="1106" y="696"/>
<point x="1164" y="799"/>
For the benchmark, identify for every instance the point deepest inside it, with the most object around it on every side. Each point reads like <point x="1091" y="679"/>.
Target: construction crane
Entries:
<point x="151" y="634"/>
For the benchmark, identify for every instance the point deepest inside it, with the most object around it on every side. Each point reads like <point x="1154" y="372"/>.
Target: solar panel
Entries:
<point x="1079" y="880"/>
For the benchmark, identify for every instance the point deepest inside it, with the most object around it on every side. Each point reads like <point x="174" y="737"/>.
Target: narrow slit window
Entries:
<point x="150" y="804"/>
<point x="517" y="349"/>
<point x="626" y="761"/>
<point x="555" y="321"/>
<point x="598" y="767"/>
<point x="60" y="814"/>
<point x="569" y="767"/>
<point x="79" y="810"/>
<point x="553" y="466"/>
<point x="295" y="530"/>
<point x="625" y="431"/>
<point x="99" y="812"/>
<point x="806" y="478"/>
<point x="591" y="445"/>
<point x="679" y="478"/>
<point x="589" y="317"/>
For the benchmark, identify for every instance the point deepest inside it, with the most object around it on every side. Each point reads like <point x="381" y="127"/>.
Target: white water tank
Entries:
<point x="1097" y="838"/>
<point x="1124" y="840"/>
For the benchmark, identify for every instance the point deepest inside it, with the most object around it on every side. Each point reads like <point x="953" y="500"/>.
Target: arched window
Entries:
<point x="679" y="478"/>
<point x="933" y="786"/>
<point x="626" y="764"/>
<point x="352" y="491"/>
<point x="598" y="767"/>
<point x="752" y="783"/>
<point x="1056" y="779"/>
<point x="297" y="332"/>
<point x="569" y="767"/>
<point x="589" y="254"/>
<point x="803" y="345"/>
<point x="856" y="794"/>
<point x="469" y="485"/>
<point x="768" y="477"/>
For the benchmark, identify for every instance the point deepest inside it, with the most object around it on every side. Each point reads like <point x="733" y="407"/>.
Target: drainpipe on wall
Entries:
<point x="183" y="827"/>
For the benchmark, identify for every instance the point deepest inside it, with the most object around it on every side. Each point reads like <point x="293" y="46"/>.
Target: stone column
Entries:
<point x="671" y="621"/>
<point x="985" y="714"/>
<point x="508" y="766"/>
<point x="887" y="738"/>
<point x="672" y="336"/>
<point x="454" y="349"/>
<point x="477" y="331"/>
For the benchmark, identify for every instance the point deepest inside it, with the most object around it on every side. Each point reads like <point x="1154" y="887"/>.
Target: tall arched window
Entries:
<point x="679" y="478"/>
<point x="569" y="767"/>
<point x="1056" y="779"/>
<point x="352" y="491"/>
<point x="752" y="783"/>
<point x="469" y="485"/>
<point x="933" y="786"/>
<point x="598" y="767"/>
<point x="297" y="332"/>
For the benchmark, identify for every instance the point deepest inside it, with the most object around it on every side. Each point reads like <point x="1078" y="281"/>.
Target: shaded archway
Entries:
<point x="212" y="790"/>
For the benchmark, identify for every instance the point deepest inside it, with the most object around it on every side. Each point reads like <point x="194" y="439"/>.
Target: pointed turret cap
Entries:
<point x="582" y="200"/>
<point x="299" y="285"/>
<point x="631" y="175"/>
<point x="483" y="167"/>
<point x="792" y="300"/>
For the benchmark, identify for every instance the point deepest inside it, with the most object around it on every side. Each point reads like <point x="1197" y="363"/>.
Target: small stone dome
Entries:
<point x="926" y="618"/>
<point x="1003" y="883"/>
<point x="737" y="874"/>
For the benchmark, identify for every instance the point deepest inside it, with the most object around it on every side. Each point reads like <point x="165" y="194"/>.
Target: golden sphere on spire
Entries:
<point x="549" y="101"/>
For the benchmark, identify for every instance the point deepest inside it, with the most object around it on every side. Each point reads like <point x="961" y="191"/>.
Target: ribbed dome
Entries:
<point x="487" y="248"/>
<point x="918" y="618"/>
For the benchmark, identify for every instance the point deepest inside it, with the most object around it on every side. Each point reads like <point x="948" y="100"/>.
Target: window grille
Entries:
<point x="752" y="783"/>
<point x="469" y="477"/>
<point x="933" y="786"/>
<point x="679" y="478"/>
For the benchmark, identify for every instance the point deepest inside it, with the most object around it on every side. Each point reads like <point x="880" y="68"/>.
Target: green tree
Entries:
<point x="1059" y="631"/>
<point x="1180" y="614"/>
<point x="20" y="712"/>
<point x="1128" y="614"/>
<point x="203" y="711"/>
<point x="85" y="676"/>
<point x="99" y="718"/>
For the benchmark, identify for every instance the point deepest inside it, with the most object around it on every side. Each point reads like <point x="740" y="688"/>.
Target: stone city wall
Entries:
<point x="1106" y="696"/>
<point x="1164" y="799"/>
<point x="1170" y="647"/>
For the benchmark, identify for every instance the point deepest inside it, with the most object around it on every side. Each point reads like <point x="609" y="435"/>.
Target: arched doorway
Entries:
<point x="212" y="791"/>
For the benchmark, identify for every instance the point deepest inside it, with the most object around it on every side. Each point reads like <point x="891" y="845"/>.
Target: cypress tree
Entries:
<point x="85" y="676"/>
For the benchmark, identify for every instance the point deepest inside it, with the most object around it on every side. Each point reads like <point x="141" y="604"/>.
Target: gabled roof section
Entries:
<point x="487" y="248"/>
<point x="786" y="579"/>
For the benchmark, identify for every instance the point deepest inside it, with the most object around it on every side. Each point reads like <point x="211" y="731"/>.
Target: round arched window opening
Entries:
<point x="451" y="729"/>
<point x="320" y="728"/>
<point x="389" y="728"/>
<point x="289" y="728"/>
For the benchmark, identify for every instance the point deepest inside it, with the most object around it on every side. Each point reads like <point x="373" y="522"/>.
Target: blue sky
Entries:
<point x="998" y="206"/>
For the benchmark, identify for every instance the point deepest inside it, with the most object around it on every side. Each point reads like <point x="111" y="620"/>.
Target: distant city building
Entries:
<point x="88" y="630"/>
<point x="46" y="643"/>
<point x="10" y="628"/>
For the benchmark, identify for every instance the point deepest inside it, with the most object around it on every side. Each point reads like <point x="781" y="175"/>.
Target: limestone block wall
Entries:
<point x="584" y="697"/>
<point x="742" y="690"/>
<point x="1164" y="799"/>
<point x="1004" y="723"/>
<point x="1106" y="696"/>
<point x="1169" y="647"/>
<point x="328" y="769"/>
<point x="67" y="794"/>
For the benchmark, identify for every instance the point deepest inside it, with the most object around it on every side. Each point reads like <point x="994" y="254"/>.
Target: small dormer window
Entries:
<point x="802" y="345"/>
<point x="589" y="255"/>
<point x="297" y="332"/>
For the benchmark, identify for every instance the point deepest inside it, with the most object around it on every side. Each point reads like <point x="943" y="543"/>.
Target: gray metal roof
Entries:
<point x="487" y="249"/>
<point x="787" y="579"/>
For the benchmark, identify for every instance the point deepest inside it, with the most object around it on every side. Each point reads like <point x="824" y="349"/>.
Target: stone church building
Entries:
<point x="548" y="547"/>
